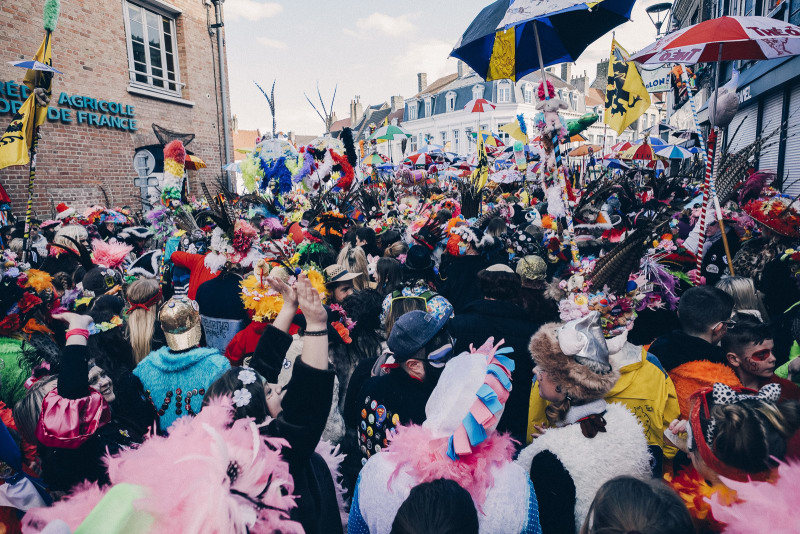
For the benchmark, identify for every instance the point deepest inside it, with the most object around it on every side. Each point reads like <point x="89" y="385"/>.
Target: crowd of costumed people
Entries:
<point x="338" y="349"/>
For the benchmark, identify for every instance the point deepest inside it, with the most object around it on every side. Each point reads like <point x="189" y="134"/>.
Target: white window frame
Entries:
<point x="428" y="106"/>
<point x="450" y="101"/>
<point x="412" y="110"/>
<point x="503" y="92"/>
<point x="477" y="91"/>
<point x="527" y="93"/>
<point x="161" y="9"/>
<point x="456" y="138"/>
<point x="443" y="136"/>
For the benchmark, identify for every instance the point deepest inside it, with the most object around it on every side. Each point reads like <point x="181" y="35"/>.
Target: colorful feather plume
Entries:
<point x="109" y="254"/>
<point x="522" y="125"/>
<point x="349" y="147"/>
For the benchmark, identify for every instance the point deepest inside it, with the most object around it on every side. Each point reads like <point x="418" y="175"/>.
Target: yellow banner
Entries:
<point x="503" y="60"/>
<point x="16" y="141"/>
<point x="481" y="173"/>
<point x="626" y="96"/>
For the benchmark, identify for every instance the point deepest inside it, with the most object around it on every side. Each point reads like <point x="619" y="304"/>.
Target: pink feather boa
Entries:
<point x="187" y="481"/>
<point x="424" y="457"/>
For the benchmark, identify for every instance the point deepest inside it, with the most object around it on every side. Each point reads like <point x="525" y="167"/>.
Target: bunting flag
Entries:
<point x="16" y="141"/>
<point x="514" y="130"/>
<point x="626" y="96"/>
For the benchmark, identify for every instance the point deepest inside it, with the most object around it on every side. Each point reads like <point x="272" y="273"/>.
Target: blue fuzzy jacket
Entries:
<point x="163" y="373"/>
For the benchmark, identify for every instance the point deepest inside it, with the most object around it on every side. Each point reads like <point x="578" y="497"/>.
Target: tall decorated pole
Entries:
<point x="19" y="143"/>
<point x="562" y="184"/>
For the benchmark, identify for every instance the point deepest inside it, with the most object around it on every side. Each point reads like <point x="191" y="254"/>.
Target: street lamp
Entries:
<point x="658" y="14"/>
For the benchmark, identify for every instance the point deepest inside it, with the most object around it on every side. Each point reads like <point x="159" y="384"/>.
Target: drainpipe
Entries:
<point x="223" y="90"/>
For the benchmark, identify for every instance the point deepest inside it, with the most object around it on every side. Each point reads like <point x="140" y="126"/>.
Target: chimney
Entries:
<point x="422" y="81"/>
<point x="461" y="69"/>
<point x="601" y="76"/>
<point x="356" y="111"/>
<point x="566" y="71"/>
<point x="397" y="102"/>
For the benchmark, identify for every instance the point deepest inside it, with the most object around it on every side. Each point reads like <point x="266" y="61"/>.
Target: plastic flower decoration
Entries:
<point x="241" y="397"/>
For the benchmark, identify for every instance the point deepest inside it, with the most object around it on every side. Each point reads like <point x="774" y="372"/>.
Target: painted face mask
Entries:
<point x="462" y="249"/>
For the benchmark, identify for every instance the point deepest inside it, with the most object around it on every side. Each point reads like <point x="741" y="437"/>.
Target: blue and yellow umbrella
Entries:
<point x="502" y="43"/>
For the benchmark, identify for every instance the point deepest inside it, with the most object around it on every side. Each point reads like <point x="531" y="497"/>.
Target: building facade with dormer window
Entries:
<point x="436" y="114"/>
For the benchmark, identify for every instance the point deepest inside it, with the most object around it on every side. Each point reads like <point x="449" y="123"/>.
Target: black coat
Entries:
<point x="389" y="400"/>
<point x="131" y="417"/>
<point x="678" y="347"/>
<point x="220" y="297"/>
<point x="482" y="319"/>
<point x="460" y="279"/>
<point x="305" y="408"/>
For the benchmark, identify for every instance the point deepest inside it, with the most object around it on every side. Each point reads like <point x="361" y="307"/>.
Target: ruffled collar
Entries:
<point x="576" y="413"/>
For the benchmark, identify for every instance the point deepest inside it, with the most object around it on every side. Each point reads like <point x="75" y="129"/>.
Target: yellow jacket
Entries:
<point x="643" y="387"/>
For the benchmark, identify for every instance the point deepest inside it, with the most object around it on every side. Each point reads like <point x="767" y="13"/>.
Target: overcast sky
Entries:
<point x="372" y="48"/>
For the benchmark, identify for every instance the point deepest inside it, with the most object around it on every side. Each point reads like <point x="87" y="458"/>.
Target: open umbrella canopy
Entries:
<point x="621" y="146"/>
<point x="652" y="140"/>
<point x="500" y="42"/>
<point x="431" y="149"/>
<point x="390" y="132"/>
<point x="578" y="138"/>
<point x="325" y="142"/>
<point x="34" y="65"/>
<point x="615" y="164"/>
<point x="673" y="152"/>
<point x="479" y="105"/>
<point x="374" y="159"/>
<point x="419" y="158"/>
<point x="641" y="152"/>
<point x="737" y="38"/>
<point x="583" y="150"/>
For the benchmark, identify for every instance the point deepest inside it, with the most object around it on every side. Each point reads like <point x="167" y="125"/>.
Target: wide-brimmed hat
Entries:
<point x="335" y="274"/>
<point x="775" y="211"/>
<point x="180" y="320"/>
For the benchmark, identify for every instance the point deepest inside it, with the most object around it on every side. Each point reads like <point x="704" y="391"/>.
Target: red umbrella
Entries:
<point x="421" y="158"/>
<point x="724" y="39"/>
<point x="479" y="105"/>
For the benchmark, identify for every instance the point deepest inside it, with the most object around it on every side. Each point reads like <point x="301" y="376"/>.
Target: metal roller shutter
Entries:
<point x="746" y="133"/>
<point x="791" y="162"/>
<point x="771" y="120"/>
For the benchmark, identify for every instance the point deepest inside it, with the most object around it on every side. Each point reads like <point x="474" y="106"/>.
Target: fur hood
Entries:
<point x="579" y="381"/>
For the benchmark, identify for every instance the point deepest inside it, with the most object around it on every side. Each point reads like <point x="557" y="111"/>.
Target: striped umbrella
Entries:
<point x="673" y="152"/>
<point x="652" y="140"/>
<point x="390" y="132"/>
<point x="374" y="159"/>
<point x="479" y="105"/>
<point x="419" y="158"/>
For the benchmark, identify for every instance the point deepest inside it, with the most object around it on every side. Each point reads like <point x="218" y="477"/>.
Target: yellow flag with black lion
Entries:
<point x="626" y="96"/>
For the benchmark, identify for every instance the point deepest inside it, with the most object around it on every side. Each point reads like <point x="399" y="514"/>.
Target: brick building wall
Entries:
<point x="90" y="48"/>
